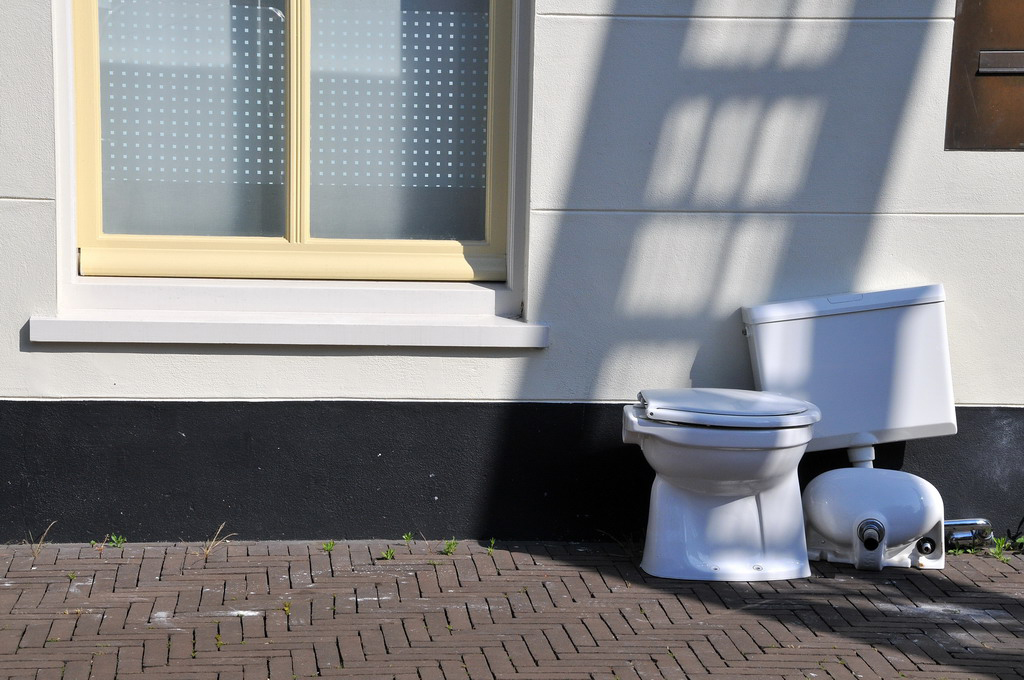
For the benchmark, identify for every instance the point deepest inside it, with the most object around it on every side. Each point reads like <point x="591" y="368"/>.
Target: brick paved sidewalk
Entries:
<point x="531" y="611"/>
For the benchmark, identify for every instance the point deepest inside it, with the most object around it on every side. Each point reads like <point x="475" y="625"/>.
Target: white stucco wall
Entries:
<point x="684" y="162"/>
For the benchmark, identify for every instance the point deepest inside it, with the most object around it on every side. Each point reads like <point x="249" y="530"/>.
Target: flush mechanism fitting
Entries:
<point x="871" y="532"/>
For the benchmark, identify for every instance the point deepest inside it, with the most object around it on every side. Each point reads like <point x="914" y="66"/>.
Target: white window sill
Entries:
<point x="284" y="328"/>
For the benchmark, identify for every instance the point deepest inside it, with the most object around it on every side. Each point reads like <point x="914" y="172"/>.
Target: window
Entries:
<point x="304" y="139"/>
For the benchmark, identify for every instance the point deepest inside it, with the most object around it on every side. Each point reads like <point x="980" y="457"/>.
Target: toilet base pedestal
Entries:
<point x="699" y="537"/>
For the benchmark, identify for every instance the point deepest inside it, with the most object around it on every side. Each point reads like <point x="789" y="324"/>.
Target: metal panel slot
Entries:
<point x="995" y="62"/>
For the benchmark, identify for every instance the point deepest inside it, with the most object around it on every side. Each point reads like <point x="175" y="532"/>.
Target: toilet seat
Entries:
<point x="727" y="408"/>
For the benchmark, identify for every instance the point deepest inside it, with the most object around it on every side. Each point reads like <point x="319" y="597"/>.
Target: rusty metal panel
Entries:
<point x="986" y="80"/>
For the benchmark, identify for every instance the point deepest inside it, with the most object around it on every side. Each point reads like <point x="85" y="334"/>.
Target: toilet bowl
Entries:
<point x="725" y="503"/>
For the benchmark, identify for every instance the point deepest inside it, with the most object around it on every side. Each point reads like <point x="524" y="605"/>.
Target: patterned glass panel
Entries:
<point x="193" y="109"/>
<point x="399" y="113"/>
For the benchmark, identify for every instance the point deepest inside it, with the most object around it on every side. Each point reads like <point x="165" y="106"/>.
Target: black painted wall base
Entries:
<point x="308" y="470"/>
<point x="167" y="471"/>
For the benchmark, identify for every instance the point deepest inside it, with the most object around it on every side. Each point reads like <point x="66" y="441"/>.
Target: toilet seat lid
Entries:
<point x="727" y="408"/>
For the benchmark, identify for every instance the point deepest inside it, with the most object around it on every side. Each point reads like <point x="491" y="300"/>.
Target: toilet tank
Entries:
<point x="876" y="364"/>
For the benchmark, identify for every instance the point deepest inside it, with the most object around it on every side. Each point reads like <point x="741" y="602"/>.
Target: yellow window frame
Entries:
<point x="297" y="255"/>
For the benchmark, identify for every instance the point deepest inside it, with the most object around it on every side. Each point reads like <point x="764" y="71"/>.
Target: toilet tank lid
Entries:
<point x="727" y="408"/>
<point x="842" y="303"/>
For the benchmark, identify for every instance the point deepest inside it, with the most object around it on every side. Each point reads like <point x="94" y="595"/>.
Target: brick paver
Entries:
<point x="538" y="611"/>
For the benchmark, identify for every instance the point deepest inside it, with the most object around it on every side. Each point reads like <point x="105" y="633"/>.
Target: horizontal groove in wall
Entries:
<point x="885" y="10"/>
<point x="641" y="211"/>
<point x="738" y="18"/>
<point x="308" y="400"/>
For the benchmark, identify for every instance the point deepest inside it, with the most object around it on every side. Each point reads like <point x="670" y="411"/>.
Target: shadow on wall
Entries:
<point x="717" y="162"/>
<point x="683" y="167"/>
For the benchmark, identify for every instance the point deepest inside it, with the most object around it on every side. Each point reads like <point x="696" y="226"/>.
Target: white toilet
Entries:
<point x="877" y="365"/>
<point x="725" y="504"/>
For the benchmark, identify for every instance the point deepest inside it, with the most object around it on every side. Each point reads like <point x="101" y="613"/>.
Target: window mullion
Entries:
<point x="298" y="82"/>
<point x="502" y="27"/>
<point x="88" y="123"/>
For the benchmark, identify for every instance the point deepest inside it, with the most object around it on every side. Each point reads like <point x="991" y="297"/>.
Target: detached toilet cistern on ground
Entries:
<point x="726" y="505"/>
<point x="877" y="365"/>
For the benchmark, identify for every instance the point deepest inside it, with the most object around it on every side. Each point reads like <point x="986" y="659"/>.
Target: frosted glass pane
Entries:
<point x="399" y="118"/>
<point x="193" y="111"/>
